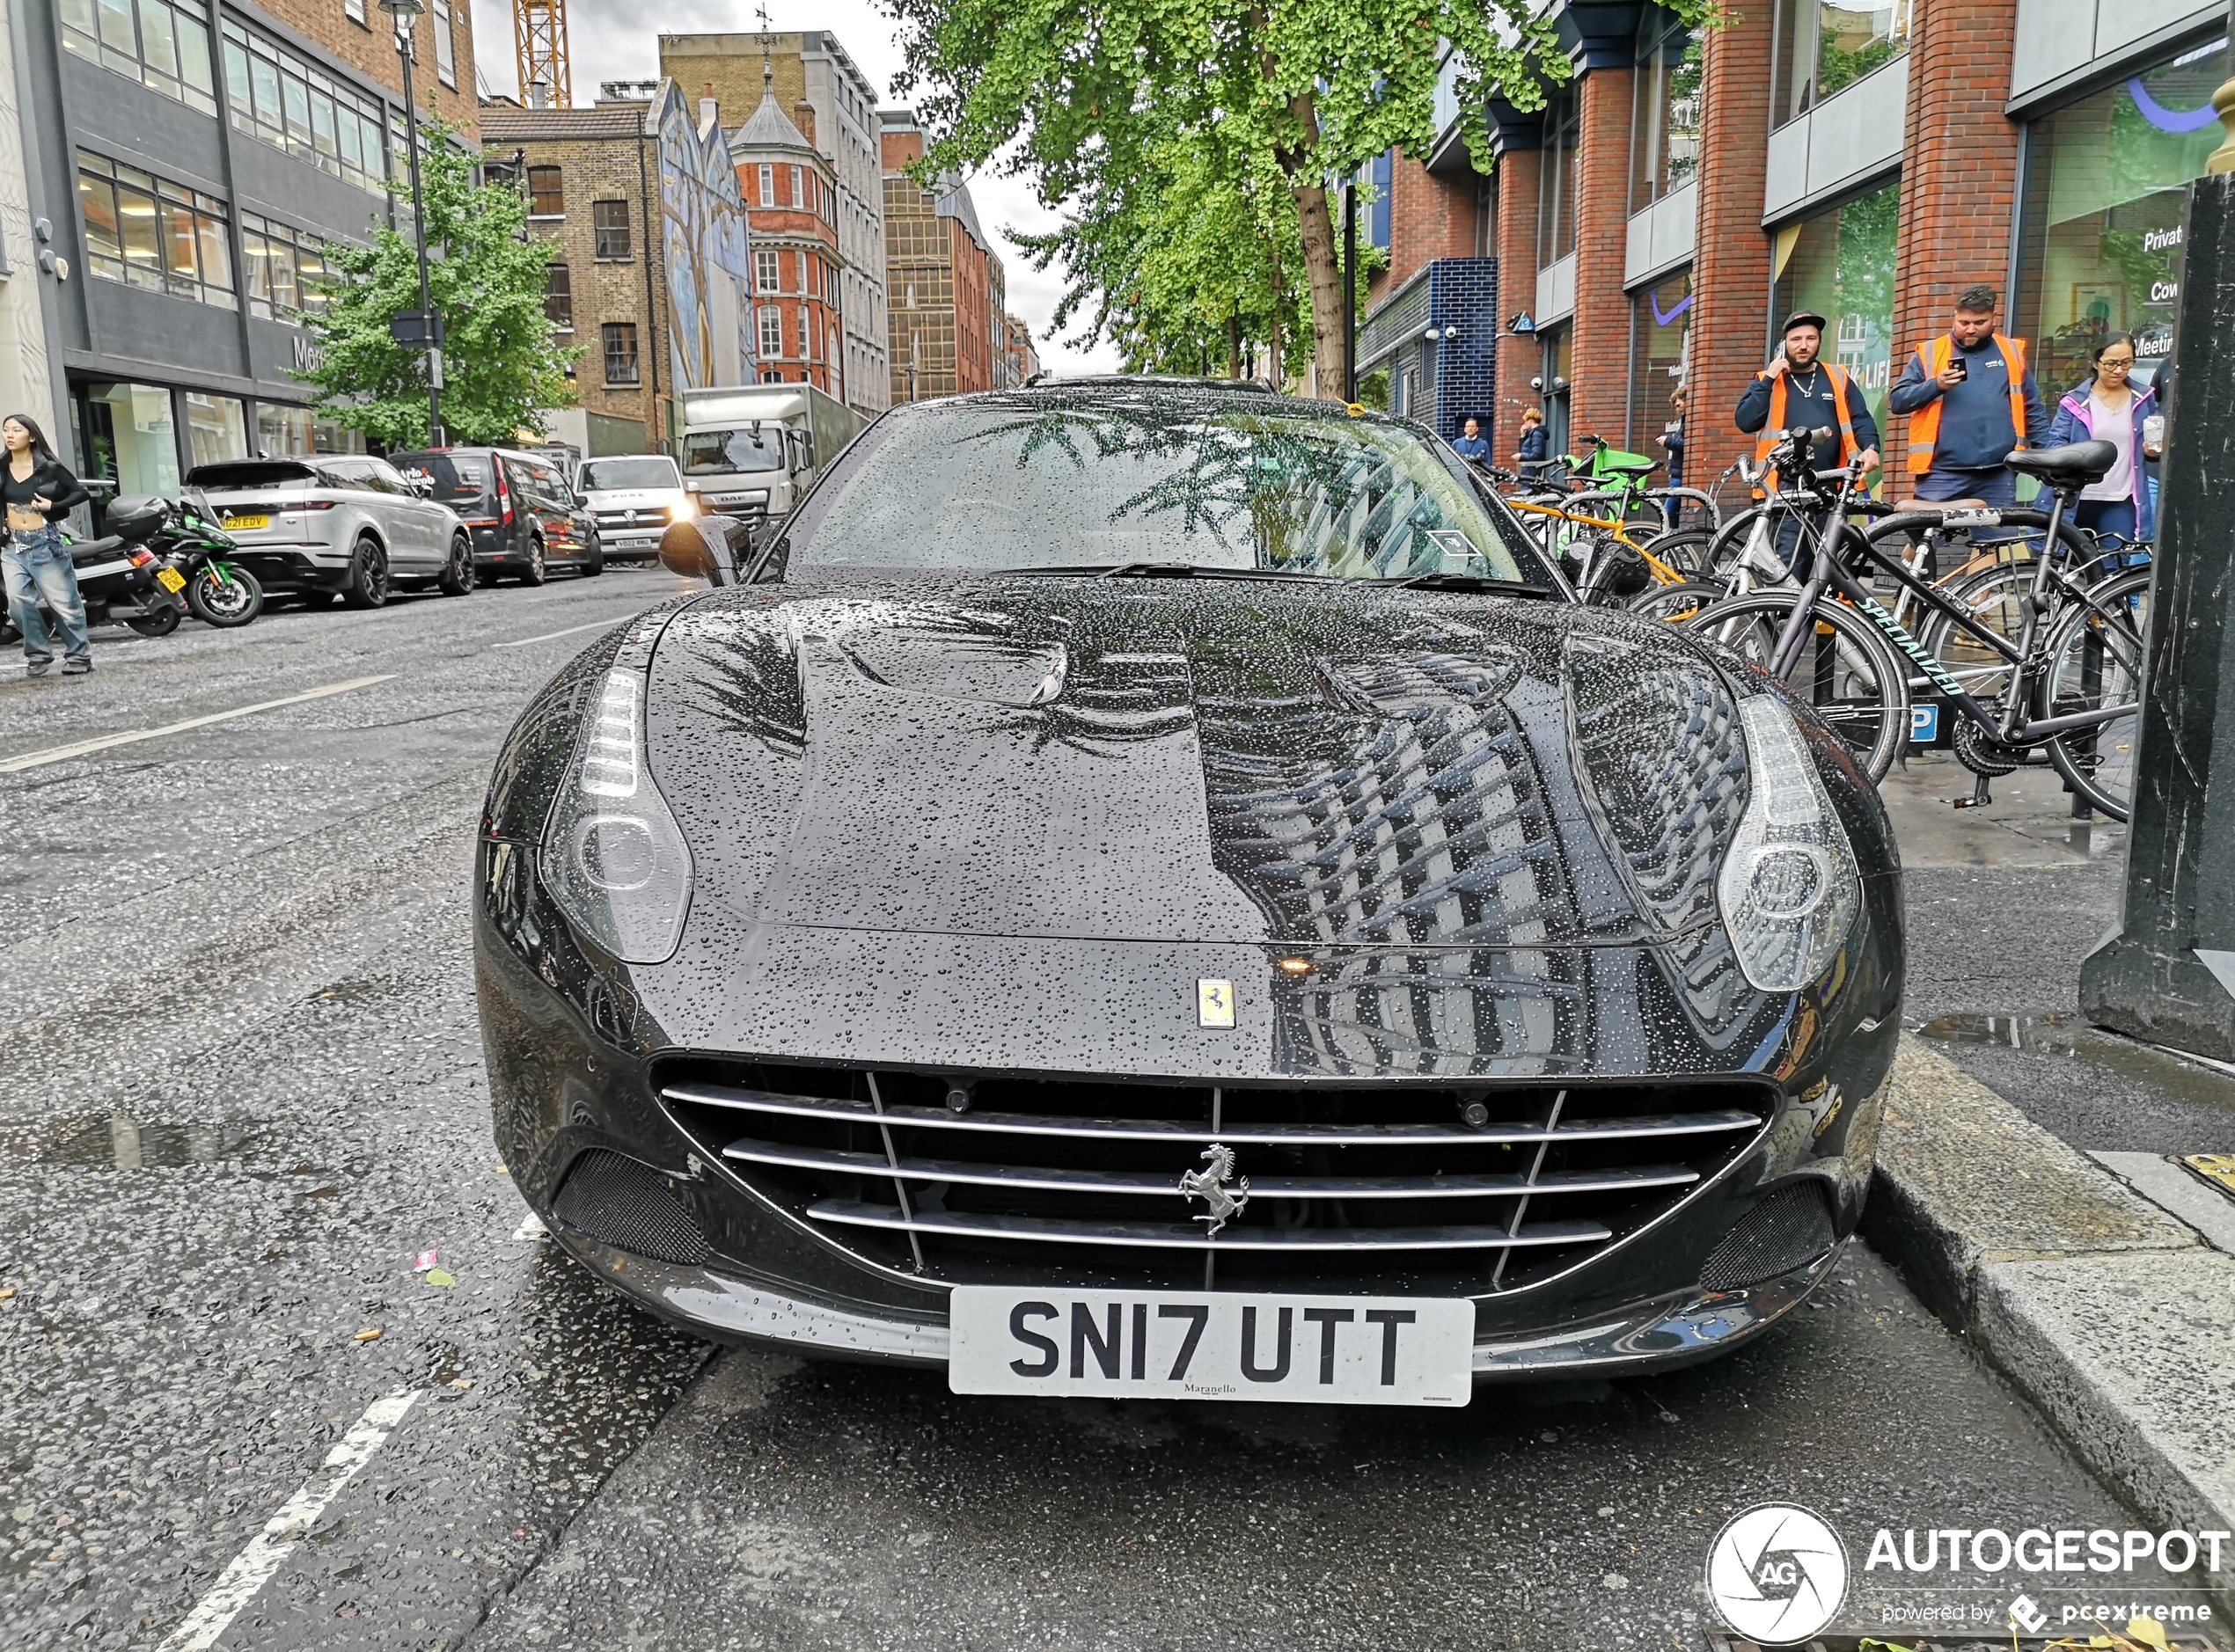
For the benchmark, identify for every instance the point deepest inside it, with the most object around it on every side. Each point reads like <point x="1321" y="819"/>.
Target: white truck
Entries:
<point x="752" y="450"/>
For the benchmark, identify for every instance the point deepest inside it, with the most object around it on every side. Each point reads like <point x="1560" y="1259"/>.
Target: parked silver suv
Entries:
<point x="337" y="523"/>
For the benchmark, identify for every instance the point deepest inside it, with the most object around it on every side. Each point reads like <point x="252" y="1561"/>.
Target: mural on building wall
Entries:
<point x="708" y="253"/>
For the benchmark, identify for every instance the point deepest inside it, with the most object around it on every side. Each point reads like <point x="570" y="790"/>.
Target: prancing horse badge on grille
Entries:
<point x="1210" y="1187"/>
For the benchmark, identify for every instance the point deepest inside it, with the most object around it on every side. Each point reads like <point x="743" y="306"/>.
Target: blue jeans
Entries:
<point x="1988" y="487"/>
<point x="2109" y="516"/>
<point x="38" y="564"/>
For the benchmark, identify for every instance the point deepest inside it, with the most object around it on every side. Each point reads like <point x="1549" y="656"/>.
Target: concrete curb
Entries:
<point x="2115" y="1320"/>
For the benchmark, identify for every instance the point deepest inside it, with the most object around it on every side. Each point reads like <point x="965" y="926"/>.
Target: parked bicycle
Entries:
<point x="2069" y="683"/>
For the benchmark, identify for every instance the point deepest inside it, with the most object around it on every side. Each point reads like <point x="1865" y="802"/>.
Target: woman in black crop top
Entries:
<point x="39" y="490"/>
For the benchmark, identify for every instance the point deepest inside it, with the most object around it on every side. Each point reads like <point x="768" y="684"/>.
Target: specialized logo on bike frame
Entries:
<point x="1777" y="1574"/>
<point x="1909" y="645"/>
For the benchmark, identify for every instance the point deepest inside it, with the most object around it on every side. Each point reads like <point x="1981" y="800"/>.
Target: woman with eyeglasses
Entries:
<point x="2107" y="407"/>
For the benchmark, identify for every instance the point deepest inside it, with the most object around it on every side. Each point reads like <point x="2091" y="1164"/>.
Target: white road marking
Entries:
<point x="551" y="636"/>
<point x="254" y="1566"/>
<point x="531" y="1227"/>
<point x="85" y="747"/>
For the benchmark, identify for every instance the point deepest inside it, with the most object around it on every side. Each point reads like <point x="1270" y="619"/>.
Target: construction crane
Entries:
<point x="539" y="37"/>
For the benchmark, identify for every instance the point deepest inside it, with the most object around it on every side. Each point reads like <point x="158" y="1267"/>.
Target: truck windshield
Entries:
<point x="721" y="452"/>
<point x="609" y="475"/>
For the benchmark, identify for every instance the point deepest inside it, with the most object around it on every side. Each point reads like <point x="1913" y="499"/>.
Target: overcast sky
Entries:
<point x="618" y="40"/>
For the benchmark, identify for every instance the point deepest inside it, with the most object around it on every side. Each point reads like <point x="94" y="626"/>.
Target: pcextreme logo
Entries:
<point x="1777" y="1574"/>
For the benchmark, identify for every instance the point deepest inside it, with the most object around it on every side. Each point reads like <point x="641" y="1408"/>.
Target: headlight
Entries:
<point x="614" y="858"/>
<point x="1789" y="887"/>
<point x="684" y="509"/>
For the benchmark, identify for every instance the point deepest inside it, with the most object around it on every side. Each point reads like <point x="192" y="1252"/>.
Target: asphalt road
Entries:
<point x="241" y="1095"/>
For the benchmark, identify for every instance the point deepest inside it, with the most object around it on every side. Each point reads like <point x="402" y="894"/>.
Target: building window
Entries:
<point x="1825" y="47"/>
<point x="1556" y="195"/>
<point x="806" y="334"/>
<point x="1666" y="126"/>
<point x="283" y="432"/>
<point x="610" y="219"/>
<point x="559" y="296"/>
<point x="275" y="95"/>
<point x="354" y="10"/>
<point x="767" y="184"/>
<point x="546" y="193"/>
<point x="1840" y="264"/>
<point x="2100" y="237"/>
<point x="771" y="331"/>
<point x="620" y="352"/>
<point x="286" y="269"/>
<point x="445" y="47"/>
<point x="1660" y="330"/>
<point x="764" y="270"/>
<point x="216" y="427"/>
<point x="164" y="44"/>
<point x="799" y="187"/>
<point x="159" y="236"/>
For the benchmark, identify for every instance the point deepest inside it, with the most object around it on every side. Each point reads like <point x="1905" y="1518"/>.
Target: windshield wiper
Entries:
<point x="1464" y="582"/>
<point x="1157" y="570"/>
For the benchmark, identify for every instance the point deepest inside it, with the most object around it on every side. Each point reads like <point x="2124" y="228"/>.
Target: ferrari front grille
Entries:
<point x="992" y="1179"/>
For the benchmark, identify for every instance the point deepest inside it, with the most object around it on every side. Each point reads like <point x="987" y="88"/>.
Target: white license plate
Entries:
<point x="1212" y="1345"/>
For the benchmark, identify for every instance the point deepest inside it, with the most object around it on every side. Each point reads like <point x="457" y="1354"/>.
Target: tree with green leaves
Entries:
<point x="486" y="276"/>
<point x="1093" y="92"/>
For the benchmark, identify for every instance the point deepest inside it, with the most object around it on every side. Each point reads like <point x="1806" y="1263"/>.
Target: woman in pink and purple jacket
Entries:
<point x="2105" y="407"/>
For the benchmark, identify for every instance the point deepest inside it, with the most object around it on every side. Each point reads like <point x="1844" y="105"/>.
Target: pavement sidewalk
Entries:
<point x="2116" y="1318"/>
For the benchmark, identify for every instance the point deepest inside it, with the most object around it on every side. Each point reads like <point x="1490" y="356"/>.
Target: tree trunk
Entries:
<point x="1234" y="342"/>
<point x="1316" y="229"/>
<point x="1279" y="361"/>
<point x="1322" y="258"/>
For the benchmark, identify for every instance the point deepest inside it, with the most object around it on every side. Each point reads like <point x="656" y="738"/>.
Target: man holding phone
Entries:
<point x="1970" y="398"/>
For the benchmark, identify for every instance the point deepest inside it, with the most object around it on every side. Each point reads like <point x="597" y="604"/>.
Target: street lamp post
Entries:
<point x="403" y="14"/>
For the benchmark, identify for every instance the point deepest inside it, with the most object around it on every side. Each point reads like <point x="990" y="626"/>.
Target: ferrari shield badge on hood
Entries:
<point x="1215" y="1002"/>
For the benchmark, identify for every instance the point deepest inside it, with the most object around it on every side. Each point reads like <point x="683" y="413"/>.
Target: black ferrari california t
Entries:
<point x="1152" y="887"/>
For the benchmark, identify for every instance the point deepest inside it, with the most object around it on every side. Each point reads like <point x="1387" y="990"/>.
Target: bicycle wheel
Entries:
<point x="1989" y="581"/>
<point x="2095" y="659"/>
<point x="1847" y="670"/>
<point x="1684" y="550"/>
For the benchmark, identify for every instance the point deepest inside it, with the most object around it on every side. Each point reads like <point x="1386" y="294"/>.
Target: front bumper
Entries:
<point x="1659" y="1334"/>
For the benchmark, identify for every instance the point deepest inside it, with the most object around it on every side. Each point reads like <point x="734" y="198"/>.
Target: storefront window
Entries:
<point x="1840" y="264"/>
<point x="282" y="432"/>
<point x="1823" y="49"/>
<point x="1665" y="129"/>
<point x="216" y="427"/>
<point x="2099" y="242"/>
<point x="1555" y="197"/>
<point x="1559" y="362"/>
<point x="1662" y="328"/>
<point x="131" y="438"/>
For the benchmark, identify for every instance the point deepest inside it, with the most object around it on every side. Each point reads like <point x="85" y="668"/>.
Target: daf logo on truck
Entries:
<point x="753" y="450"/>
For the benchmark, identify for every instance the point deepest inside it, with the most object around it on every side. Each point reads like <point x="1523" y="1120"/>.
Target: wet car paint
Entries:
<point x="996" y="824"/>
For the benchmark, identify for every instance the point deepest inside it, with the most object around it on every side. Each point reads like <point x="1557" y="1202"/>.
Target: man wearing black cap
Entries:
<point x="1799" y="391"/>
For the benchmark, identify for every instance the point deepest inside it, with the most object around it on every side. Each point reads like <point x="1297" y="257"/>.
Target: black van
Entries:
<point x="519" y="507"/>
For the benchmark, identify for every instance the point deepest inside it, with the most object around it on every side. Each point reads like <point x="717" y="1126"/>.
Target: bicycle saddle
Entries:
<point x="1609" y="467"/>
<point x="2075" y="465"/>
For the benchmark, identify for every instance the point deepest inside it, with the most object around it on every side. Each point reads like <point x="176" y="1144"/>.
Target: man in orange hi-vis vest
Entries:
<point x="1798" y="390"/>
<point x="1971" y="400"/>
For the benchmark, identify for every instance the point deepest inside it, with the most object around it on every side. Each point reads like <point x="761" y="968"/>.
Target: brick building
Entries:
<point x="1022" y="356"/>
<point x="655" y="281"/>
<point x="1648" y="226"/>
<point x="834" y="106"/>
<point x="947" y="287"/>
<point x="799" y="273"/>
<point x="256" y="136"/>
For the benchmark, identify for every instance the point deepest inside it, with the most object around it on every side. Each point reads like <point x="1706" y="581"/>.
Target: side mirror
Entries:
<point x="582" y="500"/>
<point x="421" y="487"/>
<point x="705" y="548"/>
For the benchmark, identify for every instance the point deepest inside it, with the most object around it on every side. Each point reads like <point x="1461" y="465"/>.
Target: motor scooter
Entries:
<point x="120" y="580"/>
